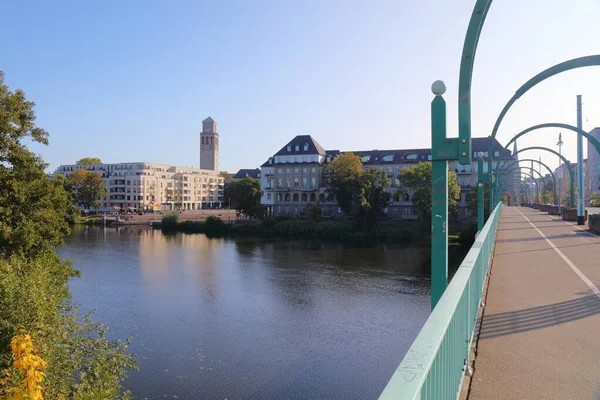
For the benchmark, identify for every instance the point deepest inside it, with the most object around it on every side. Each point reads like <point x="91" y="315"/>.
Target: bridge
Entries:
<point x="519" y="320"/>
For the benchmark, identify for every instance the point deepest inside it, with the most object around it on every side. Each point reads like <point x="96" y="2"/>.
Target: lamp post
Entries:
<point x="580" y="191"/>
<point x="480" y="192"/>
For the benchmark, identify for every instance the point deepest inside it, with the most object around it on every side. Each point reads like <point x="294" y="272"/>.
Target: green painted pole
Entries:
<point x="580" y="184"/>
<point x="480" y="192"/>
<point x="439" y="198"/>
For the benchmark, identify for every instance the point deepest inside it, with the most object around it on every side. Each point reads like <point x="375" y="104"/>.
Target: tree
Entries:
<point x="314" y="211"/>
<point x="244" y="196"/>
<point x="372" y="198"/>
<point x="89" y="161"/>
<point x="358" y="192"/>
<point x="34" y="289"/>
<point x="417" y="180"/>
<point x="344" y="173"/>
<point x="87" y="188"/>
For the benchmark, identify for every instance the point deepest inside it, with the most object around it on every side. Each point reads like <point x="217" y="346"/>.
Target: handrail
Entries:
<point x="434" y="365"/>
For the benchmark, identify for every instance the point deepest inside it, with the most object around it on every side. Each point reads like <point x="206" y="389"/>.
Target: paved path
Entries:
<point x="540" y="333"/>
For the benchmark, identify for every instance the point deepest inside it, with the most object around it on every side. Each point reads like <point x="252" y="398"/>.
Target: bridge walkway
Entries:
<point x="539" y="336"/>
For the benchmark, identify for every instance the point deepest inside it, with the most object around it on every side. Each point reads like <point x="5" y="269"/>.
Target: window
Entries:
<point x="314" y="158"/>
<point x="287" y="170"/>
<point x="313" y="170"/>
<point x="304" y="170"/>
<point x="289" y="148"/>
<point x="295" y="170"/>
<point x="496" y="153"/>
<point x="306" y="147"/>
<point x="313" y="182"/>
<point x="296" y="197"/>
<point x="304" y="182"/>
<point x="387" y="158"/>
<point x="297" y="148"/>
<point x="268" y="196"/>
<point x="280" y="182"/>
<point x="365" y="159"/>
<point x="295" y="182"/>
<point x="280" y="170"/>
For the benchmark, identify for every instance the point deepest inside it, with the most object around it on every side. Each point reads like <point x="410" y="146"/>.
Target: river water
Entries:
<point x="249" y="319"/>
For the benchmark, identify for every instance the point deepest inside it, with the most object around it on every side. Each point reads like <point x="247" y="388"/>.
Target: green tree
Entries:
<point x="89" y="161"/>
<point x="342" y="183"/>
<point x="244" y="196"/>
<point x="358" y="192"/>
<point x="416" y="180"/>
<point x="34" y="292"/>
<point x="314" y="211"/>
<point x="87" y="188"/>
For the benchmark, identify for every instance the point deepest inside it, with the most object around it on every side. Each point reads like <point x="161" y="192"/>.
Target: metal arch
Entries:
<point x="554" y="187"/>
<point x="537" y="189"/>
<point x="554" y="70"/>
<point x="589" y="137"/>
<point x="512" y="169"/>
<point x="465" y="78"/>
<point x="521" y="184"/>
<point x="567" y="163"/>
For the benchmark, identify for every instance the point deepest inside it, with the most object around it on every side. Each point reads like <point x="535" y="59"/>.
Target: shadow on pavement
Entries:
<point x="529" y="319"/>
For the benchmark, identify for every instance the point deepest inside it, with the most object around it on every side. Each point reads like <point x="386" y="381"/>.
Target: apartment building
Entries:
<point x="152" y="186"/>
<point x="296" y="175"/>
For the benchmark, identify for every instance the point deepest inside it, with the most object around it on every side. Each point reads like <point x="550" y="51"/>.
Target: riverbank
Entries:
<point x="387" y="231"/>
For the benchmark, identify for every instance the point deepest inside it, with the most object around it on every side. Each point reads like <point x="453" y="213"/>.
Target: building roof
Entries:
<point x="247" y="173"/>
<point x="209" y="119"/>
<point x="300" y="141"/>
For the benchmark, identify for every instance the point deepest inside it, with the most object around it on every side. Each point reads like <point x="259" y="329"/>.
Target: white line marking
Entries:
<point x="580" y="274"/>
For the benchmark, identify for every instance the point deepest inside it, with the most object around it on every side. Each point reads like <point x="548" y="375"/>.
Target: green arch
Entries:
<point x="554" y="70"/>
<point x="549" y="170"/>
<point x="567" y="163"/>
<point x="521" y="183"/>
<point x="589" y="137"/>
<point x="467" y="61"/>
<point x="537" y="189"/>
<point x="511" y="169"/>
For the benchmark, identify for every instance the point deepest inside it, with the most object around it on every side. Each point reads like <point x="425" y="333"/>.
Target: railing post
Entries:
<point x="439" y="198"/>
<point x="480" y="192"/>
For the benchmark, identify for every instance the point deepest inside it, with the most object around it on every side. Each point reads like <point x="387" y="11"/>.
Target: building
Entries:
<point x="247" y="173"/>
<point x="592" y="169"/>
<point x="151" y="186"/>
<point x="296" y="176"/>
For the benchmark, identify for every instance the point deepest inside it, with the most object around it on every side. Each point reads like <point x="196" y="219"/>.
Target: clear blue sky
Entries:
<point x="132" y="80"/>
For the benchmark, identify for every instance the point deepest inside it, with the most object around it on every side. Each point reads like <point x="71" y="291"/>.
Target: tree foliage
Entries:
<point x="34" y="292"/>
<point x="358" y="192"/>
<point x="244" y="196"/>
<point x="416" y="180"/>
<point x="87" y="188"/>
<point x="89" y="161"/>
<point x="472" y="200"/>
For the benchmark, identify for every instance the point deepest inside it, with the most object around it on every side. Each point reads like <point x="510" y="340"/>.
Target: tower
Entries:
<point x="209" y="146"/>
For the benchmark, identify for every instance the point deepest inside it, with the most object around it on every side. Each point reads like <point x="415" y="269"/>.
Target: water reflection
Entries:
<point x="217" y="318"/>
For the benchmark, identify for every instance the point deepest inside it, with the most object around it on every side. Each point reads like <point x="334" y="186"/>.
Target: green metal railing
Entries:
<point x="434" y="366"/>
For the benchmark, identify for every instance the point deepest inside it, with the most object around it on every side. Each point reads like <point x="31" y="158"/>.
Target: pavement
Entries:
<point x="540" y="330"/>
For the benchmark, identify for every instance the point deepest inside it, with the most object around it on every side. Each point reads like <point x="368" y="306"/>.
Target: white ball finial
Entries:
<point x="438" y="88"/>
<point x="480" y="154"/>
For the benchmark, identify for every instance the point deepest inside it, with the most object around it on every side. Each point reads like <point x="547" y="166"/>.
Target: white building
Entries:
<point x="145" y="185"/>
<point x="297" y="175"/>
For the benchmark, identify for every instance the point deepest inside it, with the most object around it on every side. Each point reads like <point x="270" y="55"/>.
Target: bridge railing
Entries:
<point x="434" y="366"/>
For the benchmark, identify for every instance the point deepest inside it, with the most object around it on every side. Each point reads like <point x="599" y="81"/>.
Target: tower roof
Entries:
<point x="209" y="119"/>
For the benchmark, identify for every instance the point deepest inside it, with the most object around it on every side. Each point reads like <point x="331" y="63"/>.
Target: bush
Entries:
<point x="169" y="220"/>
<point x="215" y="226"/>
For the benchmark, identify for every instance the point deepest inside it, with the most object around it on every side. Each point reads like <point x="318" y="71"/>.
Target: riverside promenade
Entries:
<point x="539" y="336"/>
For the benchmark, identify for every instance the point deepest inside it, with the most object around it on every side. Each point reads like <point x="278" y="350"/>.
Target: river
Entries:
<point x="249" y="319"/>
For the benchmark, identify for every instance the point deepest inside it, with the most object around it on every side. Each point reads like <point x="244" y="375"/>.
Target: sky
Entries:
<point x="132" y="81"/>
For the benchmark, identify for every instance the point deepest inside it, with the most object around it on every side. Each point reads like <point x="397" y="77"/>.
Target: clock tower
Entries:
<point x="209" y="146"/>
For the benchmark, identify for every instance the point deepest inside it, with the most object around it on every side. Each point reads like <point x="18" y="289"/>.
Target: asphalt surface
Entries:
<point x="540" y="332"/>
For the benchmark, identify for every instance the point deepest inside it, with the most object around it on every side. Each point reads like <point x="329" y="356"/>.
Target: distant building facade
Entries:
<point x="247" y="173"/>
<point x="297" y="175"/>
<point x="592" y="168"/>
<point x="152" y="186"/>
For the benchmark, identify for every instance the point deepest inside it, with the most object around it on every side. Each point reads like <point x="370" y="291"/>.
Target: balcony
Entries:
<point x="282" y="189"/>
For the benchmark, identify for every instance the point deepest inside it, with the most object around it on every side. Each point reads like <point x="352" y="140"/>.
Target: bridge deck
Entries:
<point x="540" y="331"/>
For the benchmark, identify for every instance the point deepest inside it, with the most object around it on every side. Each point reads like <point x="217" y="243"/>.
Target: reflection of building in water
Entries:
<point x="194" y="254"/>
